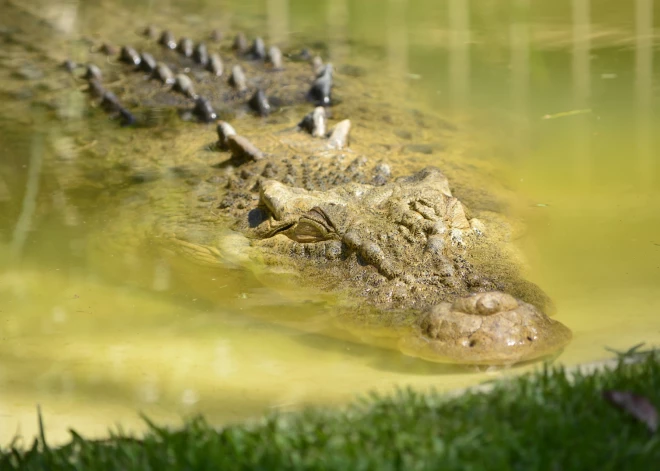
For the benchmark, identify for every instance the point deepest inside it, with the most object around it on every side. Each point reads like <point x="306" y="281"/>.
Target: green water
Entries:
<point x="559" y="99"/>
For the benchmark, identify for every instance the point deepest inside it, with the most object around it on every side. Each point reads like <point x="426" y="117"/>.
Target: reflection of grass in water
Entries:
<point x="523" y="424"/>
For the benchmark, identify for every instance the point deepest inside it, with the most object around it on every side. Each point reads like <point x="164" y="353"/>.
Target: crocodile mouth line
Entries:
<point x="278" y="230"/>
<point x="394" y="242"/>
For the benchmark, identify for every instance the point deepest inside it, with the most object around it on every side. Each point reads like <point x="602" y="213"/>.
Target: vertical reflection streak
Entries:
<point x="644" y="90"/>
<point x="582" y="89"/>
<point x="397" y="43"/>
<point x="278" y="21"/>
<point x="337" y="22"/>
<point x="520" y="77"/>
<point x="459" y="52"/>
<point x="30" y="199"/>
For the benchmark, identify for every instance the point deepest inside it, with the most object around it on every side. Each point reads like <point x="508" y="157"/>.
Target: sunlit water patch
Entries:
<point x="561" y="101"/>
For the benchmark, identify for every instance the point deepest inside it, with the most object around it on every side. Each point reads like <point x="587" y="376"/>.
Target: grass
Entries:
<point x="548" y="420"/>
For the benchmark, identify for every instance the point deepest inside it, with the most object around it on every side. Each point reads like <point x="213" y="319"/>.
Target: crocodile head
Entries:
<point x="410" y="245"/>
<point x="489" y="328"/>
<point x="408" y="241"/>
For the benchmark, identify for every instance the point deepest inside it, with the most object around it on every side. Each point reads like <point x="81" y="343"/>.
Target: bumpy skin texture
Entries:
<point x="312" y="168"/>
<point x="179" y="80"/>
<point x="406" y="243"/>
<point x="409" y="247"/>
<point x="485" y="328"/>
<point x="404" y="248"/>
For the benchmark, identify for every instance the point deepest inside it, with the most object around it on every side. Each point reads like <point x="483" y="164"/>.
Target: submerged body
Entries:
<point x="423" y="272"/>
<point x="414" y="269"/>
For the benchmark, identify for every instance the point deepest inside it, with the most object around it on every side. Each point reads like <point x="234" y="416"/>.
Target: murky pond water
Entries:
<point x="558" y="101"/>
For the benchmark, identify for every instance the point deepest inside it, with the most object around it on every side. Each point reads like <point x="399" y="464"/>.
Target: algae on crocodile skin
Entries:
<point x="158" y="185"/>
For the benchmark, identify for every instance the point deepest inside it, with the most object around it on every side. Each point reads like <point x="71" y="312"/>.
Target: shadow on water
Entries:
<point x="381" y="359"/>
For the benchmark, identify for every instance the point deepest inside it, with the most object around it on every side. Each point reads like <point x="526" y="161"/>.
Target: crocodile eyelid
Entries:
<point x="327" y="221"/>
<point x="278" y="230"/>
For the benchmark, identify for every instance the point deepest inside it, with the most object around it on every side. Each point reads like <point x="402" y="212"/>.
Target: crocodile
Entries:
<point x="419" y="270"/>
<point x="411" y="250"/>
<point x="416" y="269"/>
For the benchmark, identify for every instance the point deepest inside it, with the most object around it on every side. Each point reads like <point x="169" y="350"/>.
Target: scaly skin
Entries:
<point x="406" y="251"/>
<point x="407" y="248"/>
<point x="410" y="251"/>
<point x="425" y="274"/>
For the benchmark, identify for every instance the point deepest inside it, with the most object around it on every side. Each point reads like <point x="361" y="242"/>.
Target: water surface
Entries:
<point x="558" y="99"/>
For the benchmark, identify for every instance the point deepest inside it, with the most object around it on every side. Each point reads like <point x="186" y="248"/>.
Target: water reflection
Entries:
<point x="93" y="349"/>
<point x="582" y="90"/>
<point x="644" y="90"/>
<point x="337" y="23"/>
<point x="29" y="204"/>
<point x="520" y="77"/>
<point x="459" y="52"/>
<point x="397" y="41"/>
<point x="278" y="21"/>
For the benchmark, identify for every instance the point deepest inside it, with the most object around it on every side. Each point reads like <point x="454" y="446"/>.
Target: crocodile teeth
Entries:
<point x="204" y="111"/>
<point x="183" y="84"/>
<point x="148" y="63"/>
<point x="185" y="47"/>
<point x="167" y="40"/>
<point x="130" y="56"/>
<point x="237" y="79"/>
<point x="69" y="65"/>
<point x="242" y="148"/>
<point x="258" y="49"/>
<point x="320" y="90"/>
<point x="317" y="64"/>
<point x="110" y="102"/>
<point x="339" y="137"/>
<point x="240" y="43"/>
<point x="259" y="103"/>
<point x="274" y="57"/>
<point x="314" y="122"/>
<point x="163" y="73"/>
<point x="200" y="54"/>
<point x="95" y="88"/>
<point x="215" y="65"/>
<point x="93" y="73"/>
<point x="225" y="130"/>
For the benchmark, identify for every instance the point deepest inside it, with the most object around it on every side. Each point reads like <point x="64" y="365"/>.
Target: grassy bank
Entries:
<point x="539" y="421"/>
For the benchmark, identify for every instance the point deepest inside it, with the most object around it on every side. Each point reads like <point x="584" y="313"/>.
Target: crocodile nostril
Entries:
<point x="530" y="338"/>
<point x="472" y="343"/>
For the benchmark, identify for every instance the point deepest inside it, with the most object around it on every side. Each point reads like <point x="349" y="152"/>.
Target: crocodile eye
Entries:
<point x="307" y="231"/>
<point x="313" y="226"/>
